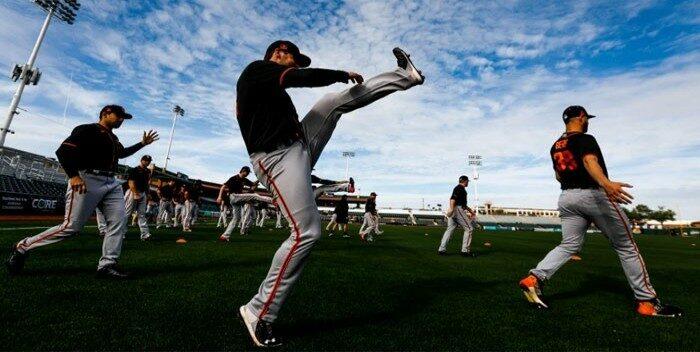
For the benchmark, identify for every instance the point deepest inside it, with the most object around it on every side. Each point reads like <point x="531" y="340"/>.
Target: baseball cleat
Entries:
<point x="442" y="253"/>
<point x="468" y="254"/>
<point x="15" y="262"/>
<point x="351" y="188"/>
<point x="260" y="331"/>
<point x="330" y="234"/>
<point x="111" y="272"/>
<point x="654" y="308"/>
<point x="404" y="61"/>
<point x="145" y="238"/>
<point x="531" y="289"/>
<point x="223" y="238"/>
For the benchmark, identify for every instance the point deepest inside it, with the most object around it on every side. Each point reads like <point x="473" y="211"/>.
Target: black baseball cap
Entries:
<point x="373" y="194"/>
<point x="117" y="109"/>
<point x="574" y="111"/>
<point x="146" y="157"/>
<point x="301" y="59"/>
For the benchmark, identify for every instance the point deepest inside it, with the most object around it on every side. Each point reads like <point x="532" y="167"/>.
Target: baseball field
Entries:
<point x="394" y="294"/>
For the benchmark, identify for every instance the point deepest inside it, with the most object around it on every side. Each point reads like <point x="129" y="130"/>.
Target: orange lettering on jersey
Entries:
<point x="561" y="144"/>
<point x="564" y="161"/>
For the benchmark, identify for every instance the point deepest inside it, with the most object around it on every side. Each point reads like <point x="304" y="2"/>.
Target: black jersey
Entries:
<point x="92" y="147"/>
<point x="166" y="192"/>
<point x="236" y="183"/>
<point x="341" y="209"/>
<point x="265" y="112"/>
<point x="459" y="194"/>
<point x="371" y="206"/>
<point x="567" y="158"/>
<point x="140" y="176"/>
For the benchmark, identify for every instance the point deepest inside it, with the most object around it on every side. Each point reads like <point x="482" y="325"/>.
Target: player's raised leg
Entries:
<point x="321" y="120"/>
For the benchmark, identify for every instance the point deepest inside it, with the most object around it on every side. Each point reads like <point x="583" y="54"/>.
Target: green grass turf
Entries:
<point x="395" y="294"/>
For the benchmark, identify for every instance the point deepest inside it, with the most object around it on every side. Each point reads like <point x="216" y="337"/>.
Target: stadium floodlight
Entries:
<point x="63" y="10"/>
<point x="475" y="161"/>
<point x="347" y="155"/>
<point x="177" y="111"/>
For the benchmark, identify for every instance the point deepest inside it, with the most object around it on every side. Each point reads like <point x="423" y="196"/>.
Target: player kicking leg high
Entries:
<point x="283" y="152"/>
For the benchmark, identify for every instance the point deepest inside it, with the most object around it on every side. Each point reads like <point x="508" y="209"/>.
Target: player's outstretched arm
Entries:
<point x="615" y="190"/>
<point x="148" y="138"/>
<point x="316" y="77"/>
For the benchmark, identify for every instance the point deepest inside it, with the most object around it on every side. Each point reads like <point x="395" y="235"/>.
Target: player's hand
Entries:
<point x="77" y="185"/>
<point x="355" y="77"/>
<point x="219" y="200"/>
<point x="137" y="195"/>
<point x="450" y="212"/>
<point x="149" y="137"/>
<point x="617" y="193"/>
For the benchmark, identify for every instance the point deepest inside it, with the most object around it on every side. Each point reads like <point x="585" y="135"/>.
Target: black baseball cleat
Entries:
<point x="404" y="61"/>
<point x="654" y="308"/>
<point x="260" y="331"/>
<point x="15" y="262"/>
<point x="468" y="254"/>
<point x="442" y="253"/>
<point x="111" y="272"/>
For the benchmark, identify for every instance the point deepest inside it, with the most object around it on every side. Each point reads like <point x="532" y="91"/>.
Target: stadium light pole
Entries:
<point x="475" y="161"/>
<point x="347" y="155"/>
<point x="177" y="111"/>
<point x="63" y="10"/>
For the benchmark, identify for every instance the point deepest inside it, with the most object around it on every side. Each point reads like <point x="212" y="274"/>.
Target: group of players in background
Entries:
<point x="284" y="150"/>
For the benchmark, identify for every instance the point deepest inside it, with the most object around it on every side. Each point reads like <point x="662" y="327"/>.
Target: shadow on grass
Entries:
<point x="407" y="300"/>
<point x="592" y="285"/>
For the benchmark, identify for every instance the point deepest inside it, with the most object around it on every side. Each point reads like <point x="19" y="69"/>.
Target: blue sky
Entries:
<point x="498" y="76"/>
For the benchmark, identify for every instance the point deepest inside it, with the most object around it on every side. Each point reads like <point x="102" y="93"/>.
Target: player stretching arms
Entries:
<point x="89" y="156"/>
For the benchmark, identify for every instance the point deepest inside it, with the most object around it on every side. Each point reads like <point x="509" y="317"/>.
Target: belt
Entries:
<point x="281" y="145"/>
<point x="100" y="172"/>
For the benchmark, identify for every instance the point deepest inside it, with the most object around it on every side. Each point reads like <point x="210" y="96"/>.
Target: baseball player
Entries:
<point x="278" y="223"/>
<point x="340" y="216"/>
<point x="249" y="213"/>
<point x="178" y="205"/>
<point x="283" y="151"/>
<point x="333" y="224"/>
<point x="589" y="196"/>
<point x="459" y="214"/>
<point x="192" y="195"/>
<point x="89" y="157"/>
<point x="136" y="196"/>
<point x="165" y="207"/>
<point x="224" y="206"/>
<point x="369" y="222"/>
<point x="236" y="186"/>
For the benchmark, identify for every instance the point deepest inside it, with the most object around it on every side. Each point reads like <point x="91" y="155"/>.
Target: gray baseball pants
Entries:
<point x="104" y="193"/>
<point x="278" y="224"/>
<point x="139" y="206"/>
<point x="189" y="213"/>
<point x="458" y="218"/>
<point x="338" y="187"/>
<point x="222" y="215"/>
<point x="578" y="208"/>
<point x="286" y="172"/>
<point x="165" y="211"/>
<point x="237" y="200"/>
<point x="179" y="214"/>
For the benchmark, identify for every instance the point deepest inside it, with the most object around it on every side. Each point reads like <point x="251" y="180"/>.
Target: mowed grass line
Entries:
<point x="394" y="294"/>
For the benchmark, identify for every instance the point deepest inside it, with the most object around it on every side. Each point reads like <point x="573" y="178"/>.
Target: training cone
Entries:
<point x="487" y="244"/>
<point x="181" y="240"/>
<point x="575" y="257"/>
